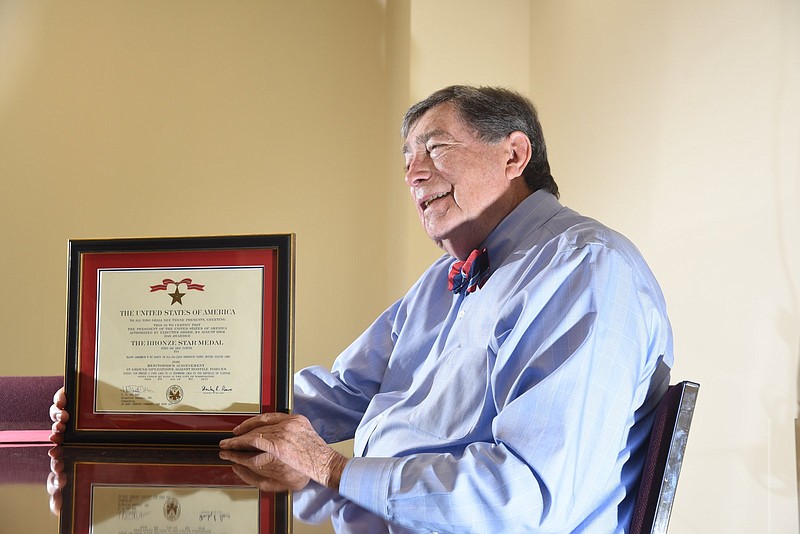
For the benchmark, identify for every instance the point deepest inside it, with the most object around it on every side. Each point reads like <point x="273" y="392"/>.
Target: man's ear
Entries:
<point x="519" y="154"/>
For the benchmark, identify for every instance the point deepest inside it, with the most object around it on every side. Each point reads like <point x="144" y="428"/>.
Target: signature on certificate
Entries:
<point x="136" y="390"/>
<point x="216" y="389"/>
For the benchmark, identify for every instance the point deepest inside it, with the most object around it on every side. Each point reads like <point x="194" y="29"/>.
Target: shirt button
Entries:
<point x="461" y="314"/>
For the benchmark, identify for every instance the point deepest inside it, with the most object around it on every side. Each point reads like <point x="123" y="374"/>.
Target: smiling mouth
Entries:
<point x="435" y="197"/>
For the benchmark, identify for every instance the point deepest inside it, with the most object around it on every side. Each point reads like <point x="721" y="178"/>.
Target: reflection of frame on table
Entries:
<point x="176" y="487"/>
<point x="166" y="336"/>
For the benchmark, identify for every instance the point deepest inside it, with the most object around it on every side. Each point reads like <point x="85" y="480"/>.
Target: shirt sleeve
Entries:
<point x="577" y="371"/>
<point x="334" y="401"/>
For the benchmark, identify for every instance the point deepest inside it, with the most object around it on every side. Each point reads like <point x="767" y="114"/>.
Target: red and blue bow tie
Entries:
<point x="469" y="274"/>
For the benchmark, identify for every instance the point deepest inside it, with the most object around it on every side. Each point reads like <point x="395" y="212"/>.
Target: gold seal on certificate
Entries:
<point x="177" y="339"/>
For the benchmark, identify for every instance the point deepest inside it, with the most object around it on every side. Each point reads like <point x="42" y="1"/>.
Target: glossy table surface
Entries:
<point x="127" y="490"/>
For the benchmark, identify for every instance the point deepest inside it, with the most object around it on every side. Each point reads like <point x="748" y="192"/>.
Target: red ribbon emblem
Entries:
<point x="168" y="281"/>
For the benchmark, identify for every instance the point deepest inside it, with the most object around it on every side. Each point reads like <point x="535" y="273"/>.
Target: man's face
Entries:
<point x="459" y="184"/>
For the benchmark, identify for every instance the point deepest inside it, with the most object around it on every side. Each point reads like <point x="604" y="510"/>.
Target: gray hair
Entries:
<point x="494" y="113"/>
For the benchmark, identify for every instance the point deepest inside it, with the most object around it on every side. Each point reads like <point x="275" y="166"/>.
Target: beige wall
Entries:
<point x="186" y="118"/>
<point x="676" y="123"/>
<point x="679" y="124"/>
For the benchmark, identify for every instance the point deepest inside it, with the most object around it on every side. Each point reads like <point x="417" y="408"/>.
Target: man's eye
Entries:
<point x="434" y="150"/>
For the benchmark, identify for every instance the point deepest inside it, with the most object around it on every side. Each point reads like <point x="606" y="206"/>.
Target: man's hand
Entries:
<point x="290" y="439"/>
<point x="59" y="416"/>
<point x="264" y="472"/>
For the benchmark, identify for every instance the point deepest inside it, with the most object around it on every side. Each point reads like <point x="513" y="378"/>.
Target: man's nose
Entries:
<point x="418" y="169"/>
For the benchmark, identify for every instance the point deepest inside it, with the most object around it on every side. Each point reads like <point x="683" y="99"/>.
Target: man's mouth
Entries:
<point x="427" y="202"/>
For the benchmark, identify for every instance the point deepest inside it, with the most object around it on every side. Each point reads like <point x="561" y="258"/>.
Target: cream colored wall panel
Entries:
<point x="677" y="124"/>
<point x="184" y="118"/>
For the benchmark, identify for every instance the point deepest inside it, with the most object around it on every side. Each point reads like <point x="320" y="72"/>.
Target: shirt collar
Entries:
<point x="527" y="217"/>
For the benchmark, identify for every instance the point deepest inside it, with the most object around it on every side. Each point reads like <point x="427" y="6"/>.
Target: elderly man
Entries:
<point x="512" y="388"/>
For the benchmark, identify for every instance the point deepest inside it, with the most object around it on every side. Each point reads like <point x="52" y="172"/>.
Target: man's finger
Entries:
<point x="60" y="398"/>
<point x="257" y="421"/>
<point x="58" y="415"/>
<point x="57" y="436"/>
<point x="246" y="442"/>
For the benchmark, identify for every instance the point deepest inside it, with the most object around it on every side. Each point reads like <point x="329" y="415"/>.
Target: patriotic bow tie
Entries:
<point x="470" y="274"/>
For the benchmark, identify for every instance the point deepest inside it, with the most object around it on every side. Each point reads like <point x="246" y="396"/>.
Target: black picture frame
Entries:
<point x="227" y="257"/>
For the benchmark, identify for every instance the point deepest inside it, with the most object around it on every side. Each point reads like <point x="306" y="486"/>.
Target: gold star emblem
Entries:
<point x="176" y="297"/>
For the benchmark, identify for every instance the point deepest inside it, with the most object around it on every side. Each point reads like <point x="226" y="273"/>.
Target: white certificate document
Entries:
<point x="179" y="340"/>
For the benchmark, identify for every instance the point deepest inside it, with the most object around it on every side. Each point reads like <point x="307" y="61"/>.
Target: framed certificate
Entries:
<point x="177" y="340"/>
<point x="176" y="490"/>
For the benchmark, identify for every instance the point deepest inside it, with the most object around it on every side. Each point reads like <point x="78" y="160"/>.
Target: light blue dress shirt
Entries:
<point x="522" y="407"/>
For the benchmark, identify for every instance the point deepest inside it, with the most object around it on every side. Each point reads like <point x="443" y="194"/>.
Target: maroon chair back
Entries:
<point x="662" y="465"/>
<point x="25" y="405"/>
<point x="25" y="401"/>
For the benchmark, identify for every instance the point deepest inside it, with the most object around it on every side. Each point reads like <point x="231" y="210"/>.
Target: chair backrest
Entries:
<point x="25" y="401"/>
<point x="664" y="457"/>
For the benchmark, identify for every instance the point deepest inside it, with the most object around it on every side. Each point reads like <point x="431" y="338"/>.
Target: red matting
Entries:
<point x="92" y="263"/>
